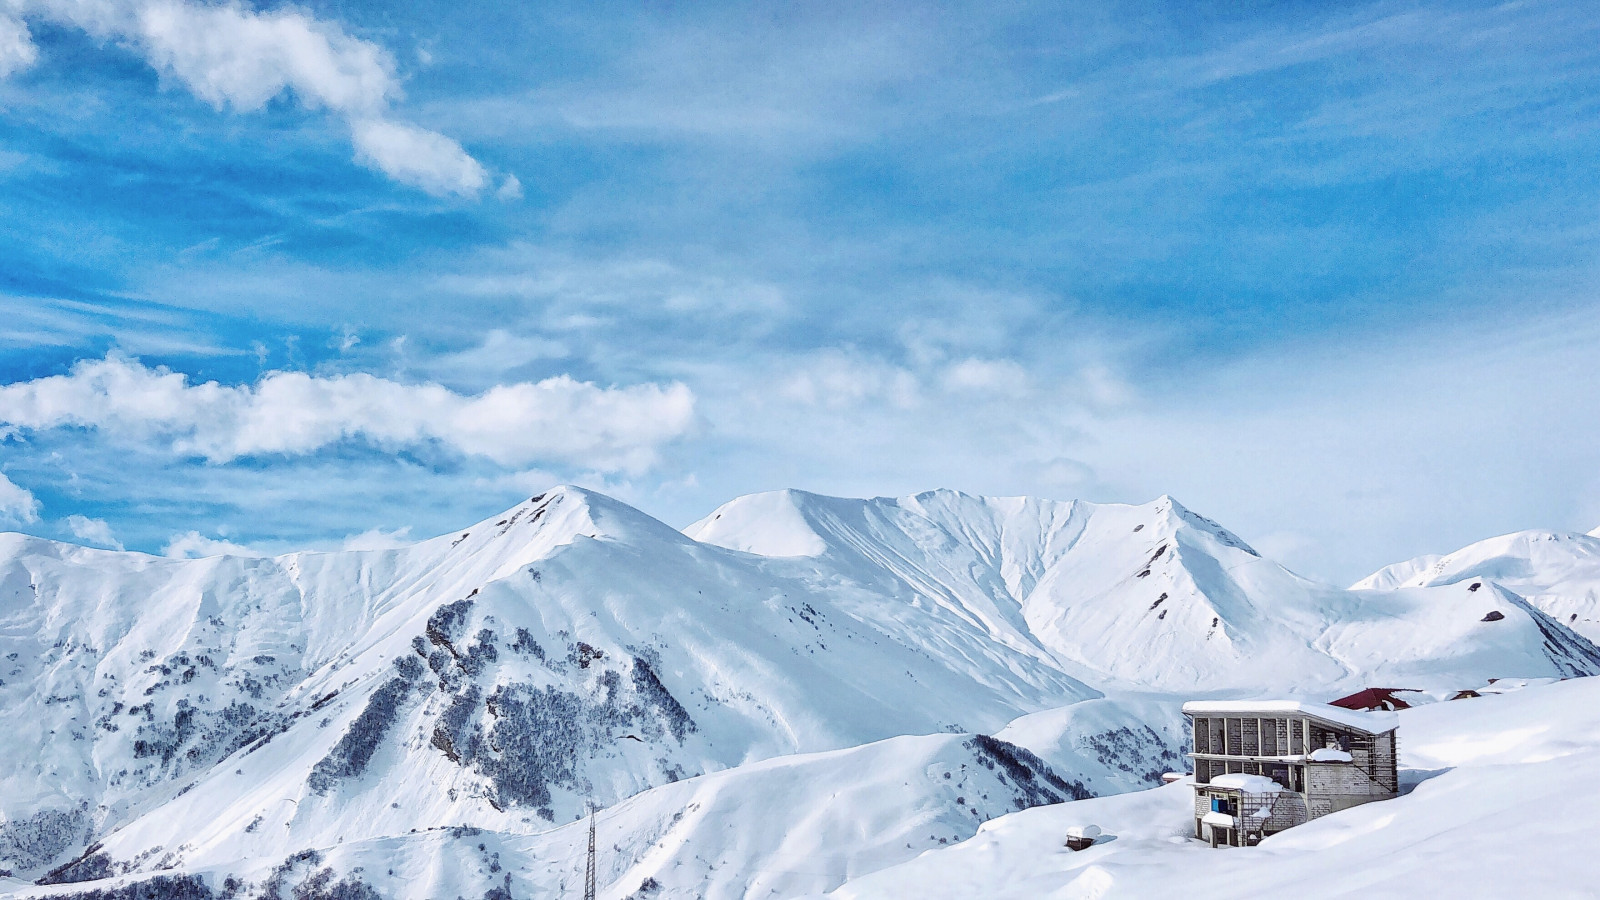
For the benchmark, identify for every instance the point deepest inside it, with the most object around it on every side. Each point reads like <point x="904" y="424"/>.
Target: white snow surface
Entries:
<point x="788" y="697"/>
<point x="1506" y="803"/>
<point x="1372" y="722"/>
<point x="1250" y="784"/>
<point x="1558" y="572"/>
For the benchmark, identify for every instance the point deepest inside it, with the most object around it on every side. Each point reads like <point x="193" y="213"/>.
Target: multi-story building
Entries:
<point x="1261" y="766"/>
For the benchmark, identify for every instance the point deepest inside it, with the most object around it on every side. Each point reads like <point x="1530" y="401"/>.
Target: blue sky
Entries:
<point x="1324" y="272"/>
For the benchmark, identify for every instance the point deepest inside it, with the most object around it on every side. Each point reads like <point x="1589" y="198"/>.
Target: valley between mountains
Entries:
<point x="794" y="696"/>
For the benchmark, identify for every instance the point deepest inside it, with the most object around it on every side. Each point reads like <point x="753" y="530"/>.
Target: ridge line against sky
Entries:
<point x="1325" y="273"/>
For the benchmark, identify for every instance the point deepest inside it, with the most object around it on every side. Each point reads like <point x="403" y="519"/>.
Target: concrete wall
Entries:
<point x="1288" y="808"/>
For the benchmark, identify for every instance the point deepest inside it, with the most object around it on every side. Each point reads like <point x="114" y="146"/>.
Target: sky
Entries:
<point x="343" y="274"/>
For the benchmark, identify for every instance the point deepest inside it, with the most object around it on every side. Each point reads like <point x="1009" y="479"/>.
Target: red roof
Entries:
<point x="1374" y="698"/>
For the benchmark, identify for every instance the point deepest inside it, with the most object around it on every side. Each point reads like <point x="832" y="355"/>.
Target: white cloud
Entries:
<point x="93" y="531"/>
<point x="378" y="539"/>
<point x="17" y="51"/>
<point x="17" y="503"/>
<point x="555" y="420"/>
<point x="416" y="156"/>
<point x="231" y="55"/>
<point x="194" y="545"/>
<point x="998" y="376"/>
<point x="510" y="189"/>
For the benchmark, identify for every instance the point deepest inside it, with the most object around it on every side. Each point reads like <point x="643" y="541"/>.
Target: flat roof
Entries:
<point x="1370" y="722"/>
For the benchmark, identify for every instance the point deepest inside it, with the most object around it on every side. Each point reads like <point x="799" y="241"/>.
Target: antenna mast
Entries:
<point x="588" y="877"/>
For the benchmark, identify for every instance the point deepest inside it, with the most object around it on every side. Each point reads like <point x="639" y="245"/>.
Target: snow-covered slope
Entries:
<point x="779" y="827"/>
<point x="1144" y="597"/>
<point x="1507" y="806"/>
<point x="1558" y="572"/>
<point x="217" y="716"/>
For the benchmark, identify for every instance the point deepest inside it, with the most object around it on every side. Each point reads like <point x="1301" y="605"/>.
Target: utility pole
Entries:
<point x="588" y="878"/>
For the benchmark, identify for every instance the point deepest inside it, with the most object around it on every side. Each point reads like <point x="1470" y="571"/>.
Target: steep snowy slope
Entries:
<point x="1144" y="597"/>
<point x="570" y="651"/>
<point x="778" y="827"/>
<point x="1508" y="804"/>
<point x="1555" y="571"/>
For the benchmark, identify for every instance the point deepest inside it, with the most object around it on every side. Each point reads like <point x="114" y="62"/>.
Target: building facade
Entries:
<point x="1265" y="765"/>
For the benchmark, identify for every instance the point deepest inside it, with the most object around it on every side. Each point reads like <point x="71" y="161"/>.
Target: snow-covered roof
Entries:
<point x="1250" y="784"/>
<point x="1370" y="722"/>
<point x="1506" y="685"/>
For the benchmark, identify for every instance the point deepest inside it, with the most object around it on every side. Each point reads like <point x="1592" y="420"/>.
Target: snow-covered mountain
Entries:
<point x="1149" y="597"/>
<point x="837" y="665"/>
<point x="1558" y="572"/>
<point x="790" y="825"/>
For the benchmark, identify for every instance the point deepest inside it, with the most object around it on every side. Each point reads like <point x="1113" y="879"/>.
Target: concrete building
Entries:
<point x="1261" y="766"/>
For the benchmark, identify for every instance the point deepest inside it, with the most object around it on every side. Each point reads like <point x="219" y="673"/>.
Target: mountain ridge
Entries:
<point x="1556" y="571"/>
<point x="574" y="651"/>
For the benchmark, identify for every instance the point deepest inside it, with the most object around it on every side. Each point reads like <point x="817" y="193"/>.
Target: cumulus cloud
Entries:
<point x="555" y="420"/>
<point x="17" y="503"/>
<point x="93" y="531"/>
<point x="378" y="539"/>
<point x="17" y="51"/>
<point x="231" y="55"/>
<point x="416" y="156"/>
<point x="194" y="545"/>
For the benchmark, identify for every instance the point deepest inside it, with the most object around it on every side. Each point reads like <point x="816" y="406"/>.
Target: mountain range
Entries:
<point x="792" y="693"/>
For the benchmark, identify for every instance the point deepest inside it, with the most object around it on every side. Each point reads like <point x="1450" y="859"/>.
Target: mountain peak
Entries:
<point x="770" y="523"/>
<point x="557" y="516"/>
